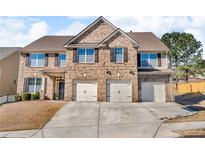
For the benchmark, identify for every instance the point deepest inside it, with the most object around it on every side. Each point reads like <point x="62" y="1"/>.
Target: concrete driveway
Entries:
<point x="94" y="119"/>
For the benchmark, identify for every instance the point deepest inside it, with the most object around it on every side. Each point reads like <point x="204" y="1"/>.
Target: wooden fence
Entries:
<point x="191" y="87"/>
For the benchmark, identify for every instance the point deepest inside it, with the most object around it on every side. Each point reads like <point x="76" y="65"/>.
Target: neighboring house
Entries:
<point x="101" y="63"/>
<point x="9" y="66"/>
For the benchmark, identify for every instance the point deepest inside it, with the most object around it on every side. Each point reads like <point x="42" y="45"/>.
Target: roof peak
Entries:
<point x="88" y="28"/>
<point x="139" y="32"/>
<point x="122" y="32"/>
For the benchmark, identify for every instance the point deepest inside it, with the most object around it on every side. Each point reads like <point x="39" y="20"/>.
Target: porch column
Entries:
<point x="42" y="92"/>
<point x="68" y="88"/>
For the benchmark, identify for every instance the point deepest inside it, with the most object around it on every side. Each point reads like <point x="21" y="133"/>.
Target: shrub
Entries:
<point x="37" y="95"/>
<point x="33" y="97"/>
<point x="17" y="98"/>
<point x="25" y="96"/>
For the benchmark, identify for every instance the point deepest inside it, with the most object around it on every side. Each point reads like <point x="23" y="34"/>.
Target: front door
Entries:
<point x="61" y="86"/>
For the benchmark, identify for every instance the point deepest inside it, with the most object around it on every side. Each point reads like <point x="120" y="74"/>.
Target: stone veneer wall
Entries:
<point x="157" y="78"/>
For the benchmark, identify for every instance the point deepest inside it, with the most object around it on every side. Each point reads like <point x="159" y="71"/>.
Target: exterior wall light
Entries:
<point x="118" y="75"/>
<point x="132" y="72"/>
<point x="109" y="72"/>
<point x="84" y="75"/>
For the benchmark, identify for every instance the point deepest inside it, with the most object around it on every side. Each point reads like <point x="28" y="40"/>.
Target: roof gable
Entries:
<point x="83" y="32"/>
<point x="119" y="31"/>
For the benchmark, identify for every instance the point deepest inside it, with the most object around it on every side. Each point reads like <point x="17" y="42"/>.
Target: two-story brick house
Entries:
<point x="101" y="63"/>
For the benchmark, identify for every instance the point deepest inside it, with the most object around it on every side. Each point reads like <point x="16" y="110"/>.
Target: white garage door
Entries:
<point x="119" y="91"/>
<point x="85" y="90"/>
<point x="153" y="92"/>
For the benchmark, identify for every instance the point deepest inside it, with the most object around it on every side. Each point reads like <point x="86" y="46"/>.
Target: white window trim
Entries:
<point x="86" y="56"/>
<point x="148" y="67"/>
<point x="35" y="81"/>
<point x="59" y="59"/>
<point x="37" y="59"/>
<point x="122" y="55"/>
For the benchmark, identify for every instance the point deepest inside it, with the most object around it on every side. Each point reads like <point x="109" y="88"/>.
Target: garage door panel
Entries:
<point x="159" y="92"/>
<point x="85" y="91"/>
<point x="119" y="91"/>
<point x="153" y="92"/>
<point x="147" y="92"/>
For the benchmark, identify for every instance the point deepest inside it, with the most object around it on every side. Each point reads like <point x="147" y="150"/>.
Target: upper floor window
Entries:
<point x="118" y="55"/>
<point x="86" y="55"/>
<point x="37" y="60"/>
<point x="148" y="60"/>
<point x="153" y="60"/>
<point x="62" y="60"/>
<point x="34" y="85"/>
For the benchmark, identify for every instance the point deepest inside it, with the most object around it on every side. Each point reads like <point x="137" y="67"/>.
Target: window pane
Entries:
<point x="62" y="56"/>
<point x="33" y="59"/>
<point x="145" y="63"/>
<point x="62" y="59"/>
<point x="31" y="89"/>
<point x="90" y="55"/>
<point x="31" y="82"/>
<point x="38" y="88"/>
<point x="153" y="60"/>
<point x="41" y="60"/>
<point x="38" y="84"/>
<point x="81" y="55"/>
<point x="34" y="85"/>
<point x="38" y="81"/>
<point x="118" y="55"/>
<point x="145" y="60"/>
<point x="145" y="56"/>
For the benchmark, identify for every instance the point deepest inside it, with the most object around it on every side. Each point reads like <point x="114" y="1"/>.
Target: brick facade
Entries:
<point x="25" y="72"/>
<point x="96" y="71"/>
<point x="96" y="34"/>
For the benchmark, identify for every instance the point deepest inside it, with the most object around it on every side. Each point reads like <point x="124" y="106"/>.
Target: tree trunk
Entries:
<point x="177" y="84"/>
<point x="186" y="76"/>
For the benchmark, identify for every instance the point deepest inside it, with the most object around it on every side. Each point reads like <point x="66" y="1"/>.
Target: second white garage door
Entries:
<point x="153" y="92"/>
<point x="119" y="91"/>
<point x="85" y="90"/>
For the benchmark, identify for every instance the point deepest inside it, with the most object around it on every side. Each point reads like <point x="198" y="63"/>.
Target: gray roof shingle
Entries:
<point x="147" y="42"/>
<point x="6" y="51"/>
<point x="48" y="43"/>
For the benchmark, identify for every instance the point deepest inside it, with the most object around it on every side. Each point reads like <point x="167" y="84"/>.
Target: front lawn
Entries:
<point x="27" y="115"/>
<point x="190" y="133"/>
<point x="199" y="116"/>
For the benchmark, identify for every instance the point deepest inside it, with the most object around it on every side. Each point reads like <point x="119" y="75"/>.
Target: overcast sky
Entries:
<point x="19" y="31"/>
